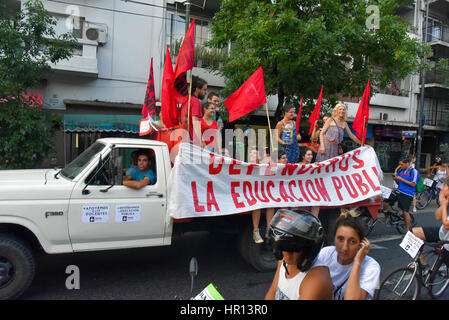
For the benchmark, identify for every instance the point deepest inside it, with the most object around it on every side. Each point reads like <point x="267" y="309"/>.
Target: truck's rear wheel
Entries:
<point x="260" y="256"/>
<point x="17" y="267"/>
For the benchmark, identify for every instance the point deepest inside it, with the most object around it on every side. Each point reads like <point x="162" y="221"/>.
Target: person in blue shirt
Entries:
<point x="406" y="177"/>
<point x="138" y="179"/>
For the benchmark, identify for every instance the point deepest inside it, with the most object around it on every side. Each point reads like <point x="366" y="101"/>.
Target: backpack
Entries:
<point x="420" y="185"/>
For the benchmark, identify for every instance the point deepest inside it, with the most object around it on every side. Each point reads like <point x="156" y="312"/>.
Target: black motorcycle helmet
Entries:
<point x="296" y="231"/>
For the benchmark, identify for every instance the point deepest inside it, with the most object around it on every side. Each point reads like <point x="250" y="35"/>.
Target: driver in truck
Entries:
<point x="143" y="176"/>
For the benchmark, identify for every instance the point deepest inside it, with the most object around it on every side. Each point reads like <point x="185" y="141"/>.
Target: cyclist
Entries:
<point x="355" y="275"/>
<point x="406" y="177"/>
<point x="435" y="234"/>
<point x="297" y="238"/>
<point x="441" y="171"/>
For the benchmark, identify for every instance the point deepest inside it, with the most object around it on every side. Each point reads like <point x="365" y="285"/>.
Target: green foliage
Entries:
<point x="304" y="44"/>
<point x="26" y="135"/>
<point x="28" y="43"/>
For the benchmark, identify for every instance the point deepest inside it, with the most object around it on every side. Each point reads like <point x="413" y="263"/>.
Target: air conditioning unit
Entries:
<point x="95" y="32"/>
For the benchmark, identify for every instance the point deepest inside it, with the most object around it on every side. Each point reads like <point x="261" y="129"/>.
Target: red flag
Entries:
<point x="184" y="62"/>
<point x="298" y="117"/>
<point x="248" y="97"/>
<point x="149" y="104"/>
<point x="316" y="112"/>
<point x="362" y="116"/>
<point x="168" y="103"/>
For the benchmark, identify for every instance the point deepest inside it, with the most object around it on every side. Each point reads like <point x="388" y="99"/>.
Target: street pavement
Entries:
<point x="162" y="273"/>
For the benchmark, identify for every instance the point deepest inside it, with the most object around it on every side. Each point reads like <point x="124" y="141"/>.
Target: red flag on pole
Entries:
<point x="316" y="112"/>
<point x="298" y="117"/>
<point x="248" y="97"/>
<point x="168" y="103"/>
<point x="184" y="62"/>
<point x="149" y="104"/>
<point x="362" y="116"/>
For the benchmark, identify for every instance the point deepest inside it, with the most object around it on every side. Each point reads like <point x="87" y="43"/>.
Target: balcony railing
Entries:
<point x="436" y="116"/>
<point x="437" y="33"/>
<point x="437" y="76"/>
<point x="204" y="57"/>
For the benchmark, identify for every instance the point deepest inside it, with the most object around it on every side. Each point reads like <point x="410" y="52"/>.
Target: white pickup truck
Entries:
<point x="85" y="207"/>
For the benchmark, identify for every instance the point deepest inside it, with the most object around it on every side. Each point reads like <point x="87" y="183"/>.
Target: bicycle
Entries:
<point x="393" y="217"/>
<point x="405" y="283"/>
<point x="429" y="193"/>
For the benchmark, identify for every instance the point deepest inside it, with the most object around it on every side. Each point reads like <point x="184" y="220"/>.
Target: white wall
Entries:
<point x="135" y="34"/>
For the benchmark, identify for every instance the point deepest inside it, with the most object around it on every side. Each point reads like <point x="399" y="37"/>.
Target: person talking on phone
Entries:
<point x="355" y="275"/>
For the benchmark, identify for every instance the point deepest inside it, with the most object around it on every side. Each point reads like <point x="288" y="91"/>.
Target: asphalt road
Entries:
<point x="163" y="273"/>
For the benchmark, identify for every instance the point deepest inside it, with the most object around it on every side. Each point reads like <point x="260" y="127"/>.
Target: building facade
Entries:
<point x="100" y="90"/>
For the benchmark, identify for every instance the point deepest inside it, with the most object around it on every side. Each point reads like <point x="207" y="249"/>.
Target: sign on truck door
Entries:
<point x="105" y="217"/>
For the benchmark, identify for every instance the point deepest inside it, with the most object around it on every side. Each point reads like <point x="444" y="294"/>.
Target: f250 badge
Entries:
<point x="53" y="213"/>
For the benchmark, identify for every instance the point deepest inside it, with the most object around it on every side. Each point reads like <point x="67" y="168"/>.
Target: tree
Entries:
<point x="304" y="44"/>
<point x="28" y="43"/>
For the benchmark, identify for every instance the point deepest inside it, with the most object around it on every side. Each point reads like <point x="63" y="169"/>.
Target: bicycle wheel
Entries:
<point x="438" y="278"/>
<point x="400" y="225"/>
<point x="401" y="284"/>
<point x="422" y="199"/>
<point x="370" y="223"/>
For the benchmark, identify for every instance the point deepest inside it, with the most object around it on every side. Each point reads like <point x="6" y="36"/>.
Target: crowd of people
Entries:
<point x="306" y="269"/>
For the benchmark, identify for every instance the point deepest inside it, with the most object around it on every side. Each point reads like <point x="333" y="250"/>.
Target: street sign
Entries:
<point x="409" y="134"/>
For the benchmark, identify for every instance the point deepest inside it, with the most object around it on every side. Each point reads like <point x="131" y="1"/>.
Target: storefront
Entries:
<point x="81" y="130"/>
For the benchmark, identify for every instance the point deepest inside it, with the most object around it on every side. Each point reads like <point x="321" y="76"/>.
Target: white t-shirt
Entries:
<point x="369" y="272"/>
<point x="288" y="289"/>
<point x="438" y="175"/>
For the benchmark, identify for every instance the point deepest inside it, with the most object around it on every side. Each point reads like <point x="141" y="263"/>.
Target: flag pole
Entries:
<point x="269" y="127"/>
<point x="363" y="131"/>
<point x="188" y="108"/>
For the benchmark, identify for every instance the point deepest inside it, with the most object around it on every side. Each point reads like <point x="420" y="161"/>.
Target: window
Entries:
<point x="79" y="163"/>
<point x="175" y="32"/>
<point x="120" y="163"/>
<point x="66" y="24"/>
<point x="434" y="30"/>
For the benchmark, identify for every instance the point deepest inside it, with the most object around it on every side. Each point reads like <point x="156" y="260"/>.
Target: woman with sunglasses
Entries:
<point x="355" y="276"/>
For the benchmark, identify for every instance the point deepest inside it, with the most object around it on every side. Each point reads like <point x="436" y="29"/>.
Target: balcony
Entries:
<point x="437" y="33"/>
<point x="83" y="62"/>
<point x="440" y="6"/>
<point x="436" y="76"/>
<point x="436" y="112"/>
<point x="436" y="83"/>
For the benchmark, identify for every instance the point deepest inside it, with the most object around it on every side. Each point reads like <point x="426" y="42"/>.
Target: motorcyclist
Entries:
<point x="297" y="238"/>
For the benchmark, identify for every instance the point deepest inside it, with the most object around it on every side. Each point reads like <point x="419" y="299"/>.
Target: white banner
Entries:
<point x="206" y="184"/>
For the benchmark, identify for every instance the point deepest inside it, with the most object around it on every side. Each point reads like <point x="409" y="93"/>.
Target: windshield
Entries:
<point x="80" y="162"/>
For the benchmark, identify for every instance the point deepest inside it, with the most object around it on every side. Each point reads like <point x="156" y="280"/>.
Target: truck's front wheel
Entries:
<point x="260" y="256"/>
<point x="17" y="267"/>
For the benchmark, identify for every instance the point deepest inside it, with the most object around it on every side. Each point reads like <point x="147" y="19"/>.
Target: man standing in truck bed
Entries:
<point x="199" y="91"/>
<point x="143" y="176"/>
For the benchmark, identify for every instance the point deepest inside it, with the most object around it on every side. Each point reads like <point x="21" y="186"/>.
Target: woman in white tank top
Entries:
<point x="289" y="283"/>
<point x="442" y="171"/>
<point x="297" y="238"/>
